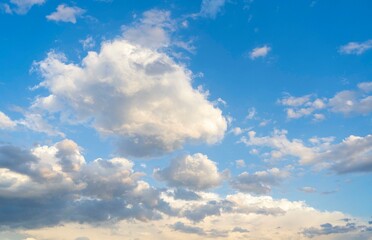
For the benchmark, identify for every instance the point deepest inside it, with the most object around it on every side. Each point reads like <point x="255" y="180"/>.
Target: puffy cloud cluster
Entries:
<point x="281" y="146"/>
<point x="298" y="107"/>
<point x="350" y="155"/>
<point x="347" y="102"/>
<point x="195" y="172"/>
<point x="133" y="91"/>
<point x="56" y="181"/>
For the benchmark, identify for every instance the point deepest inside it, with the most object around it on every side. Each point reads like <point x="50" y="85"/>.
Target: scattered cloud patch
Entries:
<point x="350" y="155"/>
<point x="88" y="43"/>
<point x="66" y="13"/>
<point x="21" y="6"/>
<point x="211" y="8"/>
<point x="356" y="48"/>
<point x="298" y="107"/>
<point x="347" y="102"/>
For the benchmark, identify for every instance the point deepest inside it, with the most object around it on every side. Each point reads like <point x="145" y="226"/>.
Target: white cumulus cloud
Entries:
<point x="134" y="92"/>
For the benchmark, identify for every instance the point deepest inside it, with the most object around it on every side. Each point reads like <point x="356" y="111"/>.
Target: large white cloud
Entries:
<point x="192" y="171"/>
<point x="134" y="92"/>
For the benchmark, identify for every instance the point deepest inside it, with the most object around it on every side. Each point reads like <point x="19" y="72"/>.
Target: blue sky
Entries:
<point x="191" y="119"/>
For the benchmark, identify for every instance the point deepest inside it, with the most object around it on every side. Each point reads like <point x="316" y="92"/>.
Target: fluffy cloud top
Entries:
<point x="133" y="92"/>
<point x="192" y="171"/>
<point x="65" y="13"/>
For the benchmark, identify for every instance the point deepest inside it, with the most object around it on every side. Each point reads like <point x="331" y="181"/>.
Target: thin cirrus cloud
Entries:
<point x="66" y="13"/>
<point x="356" y="48"/>
<point x="154" y="109"/>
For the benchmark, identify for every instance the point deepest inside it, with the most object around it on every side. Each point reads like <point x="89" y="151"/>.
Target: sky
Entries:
<point x="160" y="119"/>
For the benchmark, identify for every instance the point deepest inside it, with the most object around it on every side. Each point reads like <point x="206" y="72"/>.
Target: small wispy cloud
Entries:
<point x="356" y="48"/>
<point x="211" y="8"/>
<point x="259" y="52"/>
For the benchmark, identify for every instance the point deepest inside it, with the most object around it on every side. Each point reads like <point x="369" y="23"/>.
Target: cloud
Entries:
<point x="179" y="226"/>
<point x="281" y="146"/>
<point x="260" y="182"/>
<point x="195" y="172"/>
<point x="56" y="181"/>
<point x="298" y="107"/>
<point x="211" y="8"/>
<point x="348" y="102"/>
<point x="65" y="13"/>
<point x="288" y="220"/>
<point x="6" y="122"/>
<point x="36" y="122"/>
<point x="88" y="43"/>
<point x="132" y="92"/>
<point x="327" y="229"/>
<point x="356" y="48"/>
<point x="21" y="6"/>
<point x="308" y="189"/>
<point x="259" y="52"/>
<point x="353" y="154"/>
<point x="240" y="163"/>
<point x="240" y="230"/>
<point x="351" y="102"/>
<point x="350" y="155"/>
